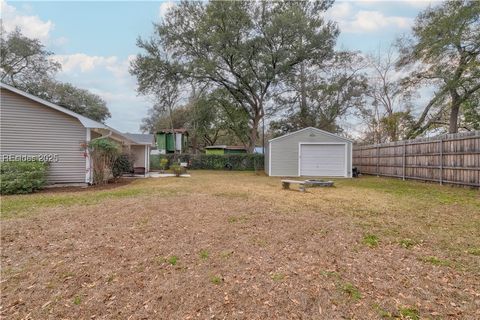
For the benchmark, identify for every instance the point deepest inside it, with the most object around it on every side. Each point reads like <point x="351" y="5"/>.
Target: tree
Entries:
<point x="76" y="99"/>
<point x="160" y="76"/>
<point x="160" y="119"/>
<point x="443" y="51"/>
<point x="470" y="119"/>
<point x="390" y="117"/>
<point x="24" y="61"/>
<point x="209" y="118"/>
<point x="26" y="64"/>
<point x="322" y="94"/>
<point x="244" y="47"/>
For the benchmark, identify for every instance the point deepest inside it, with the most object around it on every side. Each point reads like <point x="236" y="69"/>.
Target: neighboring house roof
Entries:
<point x="141" y="138"/>
<point x="179" y="130"/>
<point x="86" y="122"/>
<point x="311" y="128"/>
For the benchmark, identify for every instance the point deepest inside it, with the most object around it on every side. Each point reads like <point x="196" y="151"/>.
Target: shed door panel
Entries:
<point x="327" y="160"/>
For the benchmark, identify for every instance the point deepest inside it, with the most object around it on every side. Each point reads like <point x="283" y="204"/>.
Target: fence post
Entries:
<point x="441" y="161"/>
<point x="403" y="162"/>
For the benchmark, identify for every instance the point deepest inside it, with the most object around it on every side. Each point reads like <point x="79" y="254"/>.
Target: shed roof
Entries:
<point x="311" y="128"/>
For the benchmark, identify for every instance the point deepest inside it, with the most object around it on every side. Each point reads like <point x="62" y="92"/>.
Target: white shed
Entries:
<point x="309" y="152"/>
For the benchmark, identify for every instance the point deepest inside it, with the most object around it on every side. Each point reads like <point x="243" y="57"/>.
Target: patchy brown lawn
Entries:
<point x="236" y="246"/>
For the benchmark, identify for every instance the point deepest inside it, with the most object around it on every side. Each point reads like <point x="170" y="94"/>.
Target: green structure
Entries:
<point x="167" y="141"/>
<point x="223" y="149"/>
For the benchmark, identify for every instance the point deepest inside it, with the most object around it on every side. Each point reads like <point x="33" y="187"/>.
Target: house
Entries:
<point x="309" y="152"/>
<point x="224" y="149"/>
<point x="33" y="128"/>
<point x="167" y="141"/>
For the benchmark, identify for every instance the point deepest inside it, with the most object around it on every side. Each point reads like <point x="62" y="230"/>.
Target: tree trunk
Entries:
<point x="453" y="125"/>
<point x="304" y="118"/>
<point x="252" y="139"/>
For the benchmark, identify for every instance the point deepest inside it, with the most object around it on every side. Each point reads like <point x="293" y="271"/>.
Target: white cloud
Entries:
<point x="412" y="3"/>
<point x="365" y="21"/>
<point x="341" y="10"/>
<point x="108" y="77"/>
<point x="164" y="7"/>
<point x="421" y="4"/>
<point x="32" y="26"/>
<point x="85" y="63"/>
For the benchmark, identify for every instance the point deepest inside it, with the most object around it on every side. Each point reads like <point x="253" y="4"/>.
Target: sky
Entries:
<point x="95" y="41"/>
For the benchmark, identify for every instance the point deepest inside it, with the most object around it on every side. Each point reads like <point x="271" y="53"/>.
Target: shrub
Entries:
<point x="103" y="153"/>
<point x="236" y="162"/>
<point x="123" y="164"/>
<point x="177" y="169"/>
<point x="22" y="176"/>
<point x="163" y="164"/>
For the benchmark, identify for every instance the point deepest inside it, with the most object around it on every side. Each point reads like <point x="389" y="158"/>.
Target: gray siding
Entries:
<point x="30" y="128"/>
<point x="284" y="151"/>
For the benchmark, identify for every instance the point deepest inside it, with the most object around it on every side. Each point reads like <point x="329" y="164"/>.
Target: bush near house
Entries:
<point x="18" y="177"/>
<point x="237" y="162"/>
<point x="123" y="164"/>
<point x="177" y="169"/>
<point x="103" y="152"/>
<point x="163" y="164"/>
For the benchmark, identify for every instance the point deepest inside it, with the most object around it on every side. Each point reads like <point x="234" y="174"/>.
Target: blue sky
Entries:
<point x="95" y="41"/>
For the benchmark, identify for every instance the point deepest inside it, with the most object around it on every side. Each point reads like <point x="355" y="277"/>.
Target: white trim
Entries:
<point x="146" y="158"/>
<point x="269" y="159"/>
<point x="320" y="143"/>
<point x="88" y="165"/>
<point x="311" y="128"/>
<point x="351" y="161"/>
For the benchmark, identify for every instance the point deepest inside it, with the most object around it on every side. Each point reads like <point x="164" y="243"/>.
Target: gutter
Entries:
<point x="102" y="137"/>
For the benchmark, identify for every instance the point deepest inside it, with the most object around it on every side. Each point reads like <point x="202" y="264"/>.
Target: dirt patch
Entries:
<point x="237" y="247"/>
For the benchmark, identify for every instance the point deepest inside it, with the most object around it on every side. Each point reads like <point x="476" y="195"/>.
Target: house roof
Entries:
<point x="311" y="128"/>
<point x="86" y="122"/>
<point x="140" y="137"/>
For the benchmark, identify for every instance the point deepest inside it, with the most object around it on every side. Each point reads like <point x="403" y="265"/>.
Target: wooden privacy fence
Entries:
<point x="450" y="158"/>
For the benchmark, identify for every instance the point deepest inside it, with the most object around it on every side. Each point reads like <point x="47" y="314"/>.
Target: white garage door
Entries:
<point x="322" y="160"/>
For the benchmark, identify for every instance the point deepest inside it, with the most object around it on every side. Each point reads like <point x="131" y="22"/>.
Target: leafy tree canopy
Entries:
<point x="242" y="47"/>
<point x="26" y="64"/>
<point x="443" y="51"/>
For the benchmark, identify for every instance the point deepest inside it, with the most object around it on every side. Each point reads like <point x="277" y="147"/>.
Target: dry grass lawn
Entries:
<point x="226" y="245"/>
